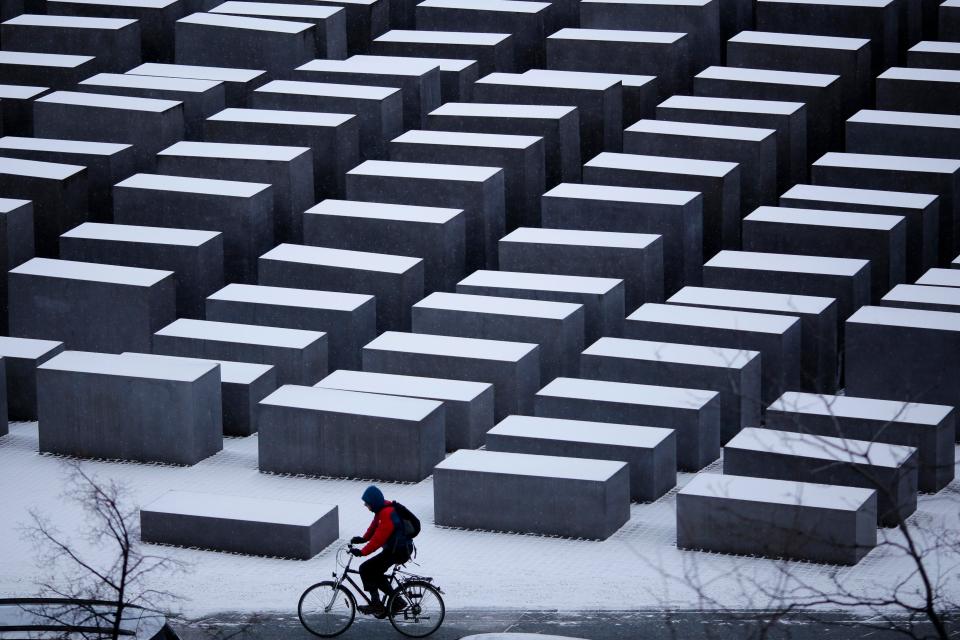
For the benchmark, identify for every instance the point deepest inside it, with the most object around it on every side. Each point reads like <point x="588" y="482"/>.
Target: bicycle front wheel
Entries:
<point x="327" y="610"/>
<point x="416" y="609"/>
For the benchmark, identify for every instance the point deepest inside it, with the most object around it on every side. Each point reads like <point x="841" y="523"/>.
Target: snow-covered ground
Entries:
<point x="639" y="567"/>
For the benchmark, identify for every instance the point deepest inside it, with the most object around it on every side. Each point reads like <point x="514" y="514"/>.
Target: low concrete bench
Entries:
<point x="777" y="518"/>
<point x="237" y="524"/>
<point x="501" y="491"/>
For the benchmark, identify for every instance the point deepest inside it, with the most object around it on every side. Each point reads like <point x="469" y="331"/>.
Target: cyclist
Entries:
<point x="386" y="532"/>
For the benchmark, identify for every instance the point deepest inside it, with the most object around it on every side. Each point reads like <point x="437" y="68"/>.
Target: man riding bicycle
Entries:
<point x="386" y="532"/>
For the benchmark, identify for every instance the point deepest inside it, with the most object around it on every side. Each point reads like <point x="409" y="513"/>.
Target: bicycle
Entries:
<point x="329" y="608"/>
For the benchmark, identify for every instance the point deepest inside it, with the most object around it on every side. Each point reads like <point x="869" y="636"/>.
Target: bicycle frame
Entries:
<point x="345" y="576"/>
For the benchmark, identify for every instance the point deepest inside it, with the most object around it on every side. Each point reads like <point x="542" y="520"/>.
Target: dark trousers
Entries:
<point x="372" y="571"/>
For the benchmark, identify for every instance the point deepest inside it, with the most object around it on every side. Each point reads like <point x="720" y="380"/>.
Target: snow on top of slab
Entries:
<point x="92" y="271"/>
<point x="372" y="405"/>
<point x="328" y="89"/>
<point x="739" y="105"/>
<point x="801" y="40"/>
<point x="243" y="22"/>
<point x="888" y="163"/>
<point x="242" y="508"/>
<point x="861" y="408"/>
<point x="615" y="35"/>
<point x="638" y="195"/>
<point x="230" y="372"/>
<point x="908" y="318"/>
<point x="579" y="238"/>
<point x="662" y="164"/>
<point x="496" y="305"/>
<point x="128" y="366"/>
<point x="468" y="139"/>
<point x="80" y="147"/>
<point x="752" y="300"/>
<point x="290" y="297"/>
<point x="384" y="211"/>
<point x="403" y="385"/>
<point x="936" y="46"/>
<point x="941" y="278"/>
<point x="628" y="393"/>
<point x="9" y="204"/>
<point x="627" y="79"/>
<point x="768" y="76"/>
<point x="279" y="116"/>
<point x="398" y="66"/>
<point x="918" y="74"/>
<point x="824" y="218"/>
<point x="38" y="169"/>
<point x="33" y="59"/>
<point x="508" y="6"/>
<point x="223" y="74"/>
<point x="701" y="130"/>
<point x="445" y="64"/>
<point x="825" y="448"/>
<point x="581" y="81"/>
<point x="265" y="152"/>
<point x="342" y="258"/>
<point x="922" y="293"/>
<point x="253" y="334"/>
<point x="452" y="346"/>
<point x="109" y="101"/>
<point x="728" y="319"/>
<point x="906" y="119"/>
<point x="525" y="464"/>
<point x="28" y="348"/>
<point x="484" y="110"/>
<point x="278" y="9"/>
<point x="801" y="494"/>
<point x="185" y="184"/>
<point x="146" y="235"/>
<point x="425" y="171"/>
<point x="670" y="352"/>
<point x="607" y="433"/>
<point x="443" y="37"/>
<point x="161" y="83"/>
<point x="70" y="22"/>
<point x="787" y="262"/>
<point x="542" y="281"/>
<point x="900" y="199"/>
<point x="873" y="4"/>
<point x="138" y="4"/>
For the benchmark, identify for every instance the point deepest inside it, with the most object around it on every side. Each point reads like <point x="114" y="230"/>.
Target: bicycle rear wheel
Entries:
<point x="327" y="610"/>
<point x="422" y="611"/>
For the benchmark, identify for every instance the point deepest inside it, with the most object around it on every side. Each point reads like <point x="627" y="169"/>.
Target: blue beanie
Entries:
<point x="373" y="497"/>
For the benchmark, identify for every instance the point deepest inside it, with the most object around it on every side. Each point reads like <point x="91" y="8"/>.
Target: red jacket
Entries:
<point x="380" y="529"/>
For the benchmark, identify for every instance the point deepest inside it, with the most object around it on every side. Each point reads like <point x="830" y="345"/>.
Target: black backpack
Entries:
<point x="410" y="522"/>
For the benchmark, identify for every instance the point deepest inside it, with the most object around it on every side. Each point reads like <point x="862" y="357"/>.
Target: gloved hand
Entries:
<point x="357" y="540"/>
<point x="355" y="552"/>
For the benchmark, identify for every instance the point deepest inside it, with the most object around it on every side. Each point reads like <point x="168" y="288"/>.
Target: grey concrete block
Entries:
<point x="599" y="101"/>
<point x="665" y="54"/>
<point x="395" y="281"/>
<point x="242" y="386"/>
<point x="755" y="150"/>
<point x="521" y="158"/>
<point x="330" y="23"/>
<point x="677" y="216"/>
<point x="903" y="133"/>
<point x="21" y="357"/>
<point x="922" y="213"/>
<point x="275" y="46"/>
<point x="194" y="257"/>
<point x="434" y="234"/>
<point x="635" y="258"/>
<point x="528" y="23"/>
<point x="241" y="211"/>
<point x="456" y="76"/>
<point x="516" y="486"/>
<point x="777" y="519"/>
<point x="148" y="124"/>
<point x="114" y="42"/>
<point x="915" y="360"/>
<point x="788" y="119"/>
<point x="821" y="92"/>
<point x="717" y="182"/>
<point x="54" y="70"/>
<point x="849" y="58"/>
<point x="333" y="139"/>
<point x="300" y="356"/>
<point x="289" y="170"/>
<point x="98" y="405"/>
<point x="478" y="191"/>
<point x="468" y="406"/>
<point x="559" y="127"/>
<point x="513" y="368"/>
<point x="200" y="98"/>
<point x="237" y="83"/>
<point x="818" y="325"/>
<point x="650" y="452"/>
<point x="4" y="412"/>
<point x="492" y="51"/>
<point x="556" y="326"/>
<point x="931" y="54"/>
<point x="926" y="427"/>
<point x="238" y="524"/>
<point x="879" y="238"/>
<point x="693" y="413"/>
<point x="366" y="19"/>
<point x="16" y="243"/>
<point x="602" y="298"/>
<point x="89" y="306"/>
<point x="58" y="196"/>
<point x="732" y="373"/>
<point x="846" y="279"/>
<point x="890" y="470"/>
<point x="330" y="432"/>
<point x="348" y="319"/>
<point x="699" y="19"/>
<point x="640" y="92"/>
<point x="911" y="89"/>
<point x="106" y="163"/>
<point x="418" y="80"/>
<point x="777" y="338"/>
<point x="949" y="21"/>
<point x="17" y="111"/>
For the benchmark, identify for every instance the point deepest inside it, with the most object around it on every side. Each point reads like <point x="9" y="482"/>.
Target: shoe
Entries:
<point x="399" y="604"/>
<point x="372" y="609"/>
